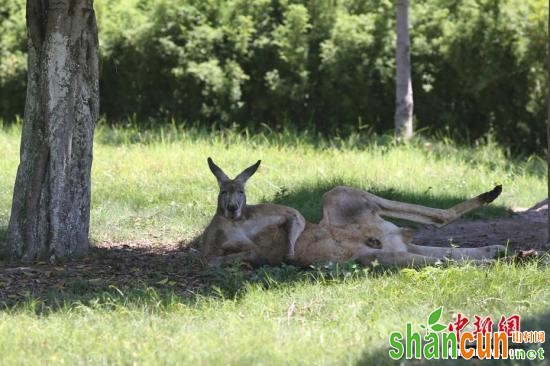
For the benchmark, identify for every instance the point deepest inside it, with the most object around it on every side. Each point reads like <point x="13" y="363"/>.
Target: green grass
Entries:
<point x="323" y="320"/>
<point x="155" y="186"/>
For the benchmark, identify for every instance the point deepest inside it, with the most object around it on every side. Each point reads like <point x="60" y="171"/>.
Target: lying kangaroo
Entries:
<point x="352" y="228"/>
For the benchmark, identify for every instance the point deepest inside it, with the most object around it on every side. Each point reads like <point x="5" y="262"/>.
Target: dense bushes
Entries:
<point x="478" y="65"/>
<point x="12" y="58"/>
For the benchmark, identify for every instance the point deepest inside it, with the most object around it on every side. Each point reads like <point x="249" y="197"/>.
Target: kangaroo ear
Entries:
<point x="217" y="171"/>
<point x="248" y="172"/>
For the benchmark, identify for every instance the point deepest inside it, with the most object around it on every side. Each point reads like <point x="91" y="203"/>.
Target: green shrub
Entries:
<point x="13" y="63"/>
<point x="478" y="65"/>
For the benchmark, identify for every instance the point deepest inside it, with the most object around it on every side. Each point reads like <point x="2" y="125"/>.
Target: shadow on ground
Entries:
<point x="107" y="269"/>
<point x="380" y="357"/>
<point x="132" y="272"/>
<point x="141" y="273"/>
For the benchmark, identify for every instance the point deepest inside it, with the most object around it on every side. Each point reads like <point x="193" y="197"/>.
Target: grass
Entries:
<point x="155" y="185"/>
<point x="320" y="320"/>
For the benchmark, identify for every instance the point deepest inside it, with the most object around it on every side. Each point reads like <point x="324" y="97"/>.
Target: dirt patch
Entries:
<point x="525" y="229"/>
<point x="108" y="267"/>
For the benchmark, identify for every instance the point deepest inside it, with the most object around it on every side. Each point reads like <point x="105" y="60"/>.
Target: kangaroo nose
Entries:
<point x="232" y="207"/>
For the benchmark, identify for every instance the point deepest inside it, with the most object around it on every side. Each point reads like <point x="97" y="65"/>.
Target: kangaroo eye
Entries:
<point x="224" y="192"/>
<point x="241" y="192"/>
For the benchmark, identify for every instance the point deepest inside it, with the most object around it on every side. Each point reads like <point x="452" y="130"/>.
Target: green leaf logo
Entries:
<point x="435" y="315"/>
<point x="433" y="319"/>
<point x="438" y="327"/>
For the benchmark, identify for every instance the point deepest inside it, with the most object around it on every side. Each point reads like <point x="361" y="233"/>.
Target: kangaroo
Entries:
<point x="352" y="228"/>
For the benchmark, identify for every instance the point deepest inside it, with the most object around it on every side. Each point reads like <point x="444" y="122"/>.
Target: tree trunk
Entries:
<point x="403" y="84"/>
<point x="50" y="212"/>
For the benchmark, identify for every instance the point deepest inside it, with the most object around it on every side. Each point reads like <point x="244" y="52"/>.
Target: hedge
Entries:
<point x="325" y="65"/>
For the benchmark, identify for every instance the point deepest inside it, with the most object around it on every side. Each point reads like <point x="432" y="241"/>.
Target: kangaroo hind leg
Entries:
<point x="395" y="259"/>
<point x="344" y="205"/>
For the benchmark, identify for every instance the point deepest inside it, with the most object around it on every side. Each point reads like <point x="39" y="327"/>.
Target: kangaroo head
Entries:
<point x="232" y="197"/>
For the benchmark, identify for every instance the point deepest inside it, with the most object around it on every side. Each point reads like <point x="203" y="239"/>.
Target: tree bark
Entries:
<point x="50" y="212"/>
<point x="403" y="84"/>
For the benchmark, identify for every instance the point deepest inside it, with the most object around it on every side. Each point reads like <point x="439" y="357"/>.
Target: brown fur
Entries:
<point x="352" y="228"/>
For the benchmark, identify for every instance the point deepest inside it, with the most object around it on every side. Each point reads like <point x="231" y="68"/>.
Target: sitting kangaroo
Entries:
<point x="352" y="228"/>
